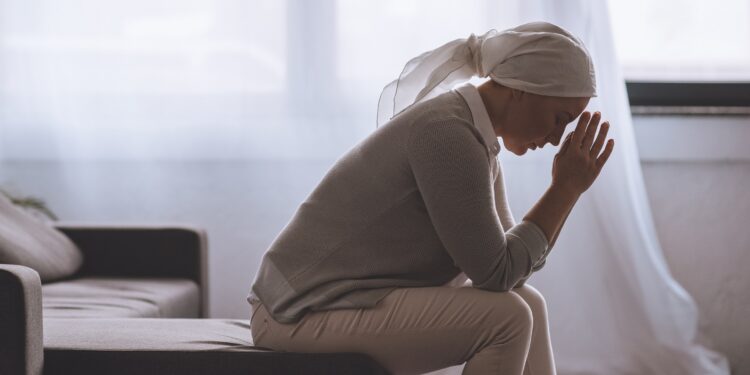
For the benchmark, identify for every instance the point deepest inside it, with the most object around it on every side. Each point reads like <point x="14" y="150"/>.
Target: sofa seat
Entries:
<point x="119" y="297"/>
<point x="146" y="346"/>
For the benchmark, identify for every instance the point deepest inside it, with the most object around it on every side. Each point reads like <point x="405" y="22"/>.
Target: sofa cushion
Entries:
<point x="28" y="241"/>
<point x="113" y="297"/>
<point x="179" y="346"/>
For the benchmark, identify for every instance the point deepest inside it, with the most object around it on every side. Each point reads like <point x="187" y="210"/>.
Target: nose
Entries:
<point x="555" y="140"/>
<point x="556" y="135"/>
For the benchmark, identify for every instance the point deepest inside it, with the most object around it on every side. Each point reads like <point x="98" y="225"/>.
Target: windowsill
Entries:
<point x="691" y="121"/>
<point x="691" y="138"/>
<point x="638" y="110"/>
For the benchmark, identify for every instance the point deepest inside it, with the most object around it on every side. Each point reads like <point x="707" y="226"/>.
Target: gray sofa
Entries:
<point x="138" y="304"/>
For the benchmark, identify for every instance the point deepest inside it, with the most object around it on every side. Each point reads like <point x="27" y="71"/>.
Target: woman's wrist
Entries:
<point x="566" y="190"/>
<point x="550" y="210"/>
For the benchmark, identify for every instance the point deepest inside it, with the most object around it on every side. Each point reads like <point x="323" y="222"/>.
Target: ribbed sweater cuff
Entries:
<point x="533" y="237"/>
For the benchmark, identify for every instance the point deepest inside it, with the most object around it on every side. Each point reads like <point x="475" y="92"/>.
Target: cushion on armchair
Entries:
<point x="28" y="241"/>
<point x="121" y="297"/>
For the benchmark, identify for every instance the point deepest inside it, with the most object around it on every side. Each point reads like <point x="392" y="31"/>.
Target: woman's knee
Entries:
<point x="533" y="298"/>
<point x="509" y="306"/>
<point x="509" y="320"/>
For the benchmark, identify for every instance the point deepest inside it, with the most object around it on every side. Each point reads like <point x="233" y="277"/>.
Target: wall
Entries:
<point x="699" y="189"/>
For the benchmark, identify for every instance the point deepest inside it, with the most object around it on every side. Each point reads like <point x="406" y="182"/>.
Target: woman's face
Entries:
<point x="532" y="120"/>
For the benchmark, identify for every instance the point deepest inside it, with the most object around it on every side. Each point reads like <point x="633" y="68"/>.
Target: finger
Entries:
<point x="566" y="143"/>
<point x="600" y="139"/>
<point x="605" y="155"/>
<point x="588" y="137"/>
<point x="581" y="128"/>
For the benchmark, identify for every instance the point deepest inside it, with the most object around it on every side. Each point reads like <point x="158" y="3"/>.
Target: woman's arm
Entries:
<point x="573" y="171"/>
<point x="549" y="248"/>
<point x="559" y="228"/>
<point x="552" y="209"/>
<point x="506" y="217"/>
<point x="450" y="168"/>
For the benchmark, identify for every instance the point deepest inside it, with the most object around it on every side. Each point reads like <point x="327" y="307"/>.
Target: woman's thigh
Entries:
<point x="411" y="330"/>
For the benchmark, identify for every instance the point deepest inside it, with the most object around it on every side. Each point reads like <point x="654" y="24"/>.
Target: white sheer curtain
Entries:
<point x="149" y="80"/>
<point x="614" y="307"/>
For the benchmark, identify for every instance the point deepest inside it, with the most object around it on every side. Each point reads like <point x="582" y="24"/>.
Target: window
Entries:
<point x="684" y="56"/>
<point x="682" y="40"/>
<point x="144" y="47"/>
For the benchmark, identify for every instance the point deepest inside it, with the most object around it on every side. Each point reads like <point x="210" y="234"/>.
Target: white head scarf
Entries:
<point x="536" y="57"/>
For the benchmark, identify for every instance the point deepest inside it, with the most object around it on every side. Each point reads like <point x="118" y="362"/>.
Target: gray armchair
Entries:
<point x="138" y="251"/>
<point x="169" y="262"/>
<point x="110" y="317"/>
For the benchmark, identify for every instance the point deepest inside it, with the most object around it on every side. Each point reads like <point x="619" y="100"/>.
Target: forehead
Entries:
<point x="574" y="106"/>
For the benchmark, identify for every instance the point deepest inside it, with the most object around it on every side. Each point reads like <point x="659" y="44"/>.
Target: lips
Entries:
<point x="534" y="145"/>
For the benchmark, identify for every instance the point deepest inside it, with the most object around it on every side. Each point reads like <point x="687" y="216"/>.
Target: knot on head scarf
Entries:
<point x="536" y="57"/>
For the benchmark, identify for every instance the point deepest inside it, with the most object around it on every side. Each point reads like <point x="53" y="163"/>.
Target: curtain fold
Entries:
<point x="614" y="306"/>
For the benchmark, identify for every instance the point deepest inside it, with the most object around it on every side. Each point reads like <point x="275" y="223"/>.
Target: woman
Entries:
<point x="378" y="258"/>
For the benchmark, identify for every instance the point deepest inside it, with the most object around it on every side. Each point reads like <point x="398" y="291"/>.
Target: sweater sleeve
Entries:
<point x="452" y="172"/>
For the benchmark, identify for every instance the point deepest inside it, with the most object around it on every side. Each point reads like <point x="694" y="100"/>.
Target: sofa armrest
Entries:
<point x="21" y="341"/>
<point x="142" y="250"/>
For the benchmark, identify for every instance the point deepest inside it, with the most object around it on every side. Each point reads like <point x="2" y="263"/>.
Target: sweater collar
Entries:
<point x="481" y="118"/>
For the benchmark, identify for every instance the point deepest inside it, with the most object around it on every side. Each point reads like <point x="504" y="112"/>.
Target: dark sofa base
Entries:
<point x="65" y="362"/>
<point x="146" y="346"/>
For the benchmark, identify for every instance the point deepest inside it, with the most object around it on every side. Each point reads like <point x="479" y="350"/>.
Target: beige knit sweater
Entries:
<point x="420" y="202"/>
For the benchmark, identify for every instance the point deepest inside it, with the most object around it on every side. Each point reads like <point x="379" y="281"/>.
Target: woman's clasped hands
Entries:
<point x="580" y="158"/>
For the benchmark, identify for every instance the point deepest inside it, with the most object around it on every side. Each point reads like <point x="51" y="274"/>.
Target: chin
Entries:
<point x="517" y="150"/>
<point x="521" y="151"/>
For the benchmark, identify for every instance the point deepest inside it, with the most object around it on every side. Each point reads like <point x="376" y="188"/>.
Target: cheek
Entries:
<point x="530" y="124"/>
<point x="539" y="125"/>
